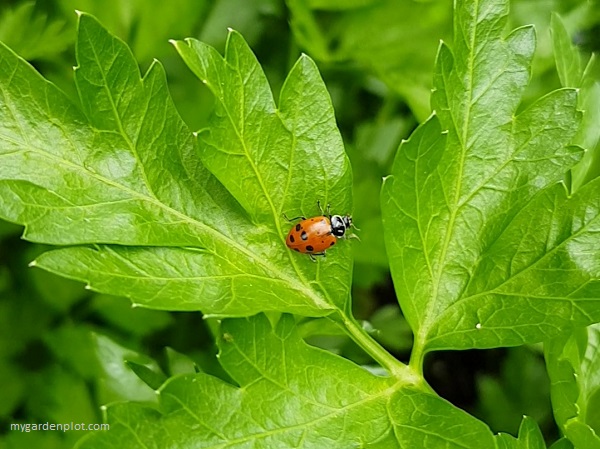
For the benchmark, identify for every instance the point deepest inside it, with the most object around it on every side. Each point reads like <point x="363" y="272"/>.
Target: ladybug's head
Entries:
<point x="340" y="224"/>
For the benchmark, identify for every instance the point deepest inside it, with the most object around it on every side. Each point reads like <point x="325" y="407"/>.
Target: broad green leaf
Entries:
<point x="126" y="177"/>
<point x="540" y="277"/>
<point x="289" y="395"/>
<point x="530" y="437"/>
<point x="573" y="364"/>
<point x="477" y="228"/>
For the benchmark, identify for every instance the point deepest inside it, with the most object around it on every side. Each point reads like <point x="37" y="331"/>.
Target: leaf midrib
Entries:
<point x="389" y="391"/>
<point x="428" y="320"/>
<point x="184" y="218"/>
<point x="239" y="135"/>
<point x="522" y="272"/>
<point x="117" y="117"/>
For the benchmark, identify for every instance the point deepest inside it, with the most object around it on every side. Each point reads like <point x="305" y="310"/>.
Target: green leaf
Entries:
<point x="179" y="363"/>
<point x="268" y="183"/>
<point x="568" y="58"/>
<point x="530" y="437"/>
<point x="563" y="443"/>
<point x="119" y="382"/>
<point x="126" y="177"/>
<point x="153" y="378"/>
<point x="569" y="63"/>
<point x="573" y="364"/>
<point x="290" y="395"/>
<point x="460" y="201"/>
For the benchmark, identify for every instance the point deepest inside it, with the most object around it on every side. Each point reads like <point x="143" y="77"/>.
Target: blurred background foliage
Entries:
<point x="65" y="351"/>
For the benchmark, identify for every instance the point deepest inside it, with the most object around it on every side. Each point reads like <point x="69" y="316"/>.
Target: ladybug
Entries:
<point x="313" y="236"/>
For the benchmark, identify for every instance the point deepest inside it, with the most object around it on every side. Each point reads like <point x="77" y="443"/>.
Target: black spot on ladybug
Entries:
<point x="298" y="227"/>
<point x="292" y="239"/>
<point x="332" y="243"/>
<point x="304" y="236"/>
<point x="309" y="248"/>
<point x="296" y="249"/>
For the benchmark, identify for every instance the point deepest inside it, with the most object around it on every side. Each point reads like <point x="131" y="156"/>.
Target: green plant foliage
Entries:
<point x="491" y="223"/>
<point x="530" y="437"/>
<point x="574" y="367"/>
<point x="521" y="390"/>
<point x="212" y="255"/>
<point x="402" y="54"/>
<point x="290" y="395"/>
<point x="572" y="73"/>
<point x="32" y="34"/>
<point x="493" y="251"/>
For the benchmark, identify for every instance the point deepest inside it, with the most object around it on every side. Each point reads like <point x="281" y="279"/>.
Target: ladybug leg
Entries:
<point x="312" y="255"/>
<point x="293" y="219"/>
<point x="321" y="209"/>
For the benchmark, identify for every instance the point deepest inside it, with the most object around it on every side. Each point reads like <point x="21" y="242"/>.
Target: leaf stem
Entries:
<point x="358" y="334"/>
<point x="417" y="355"/>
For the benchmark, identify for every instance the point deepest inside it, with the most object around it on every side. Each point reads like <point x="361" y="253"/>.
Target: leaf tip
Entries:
<point x="135" y="305"/>
<point x="88" y="287"/>
<point x="32" y="264"/>
<point x="79" y="13"/>
<point x="173" y="42"/>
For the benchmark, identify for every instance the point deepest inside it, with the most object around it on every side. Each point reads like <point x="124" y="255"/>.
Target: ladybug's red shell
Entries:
<point x="312" y="235"/>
